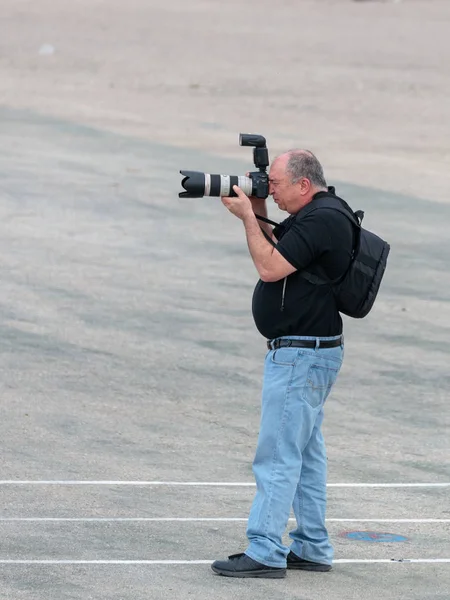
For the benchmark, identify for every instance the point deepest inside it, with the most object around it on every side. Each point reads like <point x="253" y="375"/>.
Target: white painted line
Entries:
<point x="193" y="519"/>
<point x="208" y="562"/>
<point x="387" y="520"/>
<point x="388" y="485"/>
<point x="216" y="484"/>
<point x="392" y="560"/>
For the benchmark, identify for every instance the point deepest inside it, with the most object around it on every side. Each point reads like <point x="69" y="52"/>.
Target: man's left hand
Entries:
<point x="239" y="205"/>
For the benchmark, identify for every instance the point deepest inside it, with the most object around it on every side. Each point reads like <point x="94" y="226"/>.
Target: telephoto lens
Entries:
<point x="198" y="184"/>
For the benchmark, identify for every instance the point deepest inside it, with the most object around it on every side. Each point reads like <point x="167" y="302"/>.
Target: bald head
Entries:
<point x="295" y="177"/>
<point x="303" y="163"/>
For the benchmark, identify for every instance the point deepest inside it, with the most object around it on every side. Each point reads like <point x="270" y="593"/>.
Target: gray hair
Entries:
<point x="303" y="163"/>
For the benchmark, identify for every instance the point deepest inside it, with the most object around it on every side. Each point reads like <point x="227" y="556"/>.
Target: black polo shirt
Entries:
<point x="322" y="237"/>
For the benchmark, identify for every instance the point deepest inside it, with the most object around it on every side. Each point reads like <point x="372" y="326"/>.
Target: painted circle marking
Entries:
<point x="373" y="536"/>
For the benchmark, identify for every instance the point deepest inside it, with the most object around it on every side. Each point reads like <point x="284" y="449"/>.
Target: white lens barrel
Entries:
<point x="246" y="184"/>
<point x="222" y="185"/>
<point x="207" y="184"/>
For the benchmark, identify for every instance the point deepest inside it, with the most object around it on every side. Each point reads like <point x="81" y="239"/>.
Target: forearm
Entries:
<point x="260" y="249"/>
<point x="269" y="263"/>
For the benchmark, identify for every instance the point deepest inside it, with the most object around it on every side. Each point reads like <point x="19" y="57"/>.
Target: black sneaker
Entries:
<point x="300" y="564"/>
<point x="241" y="565"/>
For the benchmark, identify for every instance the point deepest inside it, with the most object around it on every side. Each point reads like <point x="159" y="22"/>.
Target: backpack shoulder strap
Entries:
<point x="329" y="201"/>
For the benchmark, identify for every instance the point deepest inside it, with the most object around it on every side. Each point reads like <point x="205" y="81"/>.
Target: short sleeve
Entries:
<point x="305" y="242"/>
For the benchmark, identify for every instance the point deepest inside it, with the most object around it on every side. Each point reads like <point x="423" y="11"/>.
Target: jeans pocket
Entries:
<point x="319" y="381"/>
<point x="284" y="356"/>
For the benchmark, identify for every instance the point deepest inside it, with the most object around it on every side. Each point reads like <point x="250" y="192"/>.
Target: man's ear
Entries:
<point x="305" y="186"/>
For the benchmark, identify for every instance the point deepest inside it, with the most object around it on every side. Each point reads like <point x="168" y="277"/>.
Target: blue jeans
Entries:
<point x="290" y="465"/>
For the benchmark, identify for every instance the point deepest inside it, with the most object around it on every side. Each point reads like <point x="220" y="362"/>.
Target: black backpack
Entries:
<point x="355" y="291"/>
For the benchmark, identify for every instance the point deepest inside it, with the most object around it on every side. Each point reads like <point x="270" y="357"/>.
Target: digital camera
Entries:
<point x="197" y="184"/>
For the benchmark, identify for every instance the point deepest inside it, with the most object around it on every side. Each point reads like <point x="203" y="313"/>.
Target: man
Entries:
<point x="304" y="332"/>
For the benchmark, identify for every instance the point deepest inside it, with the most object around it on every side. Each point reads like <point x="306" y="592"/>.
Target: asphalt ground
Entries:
<point x="130" y="365"/>
<point x="129" y="354"/>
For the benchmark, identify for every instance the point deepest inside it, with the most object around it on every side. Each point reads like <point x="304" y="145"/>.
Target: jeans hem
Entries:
<point x="301" y="554"/>
<point x="268" y="563"/>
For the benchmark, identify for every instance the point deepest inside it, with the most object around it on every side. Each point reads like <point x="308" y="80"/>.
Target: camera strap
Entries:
<point x="266" y="220"/>
<point x="269" y="239"/>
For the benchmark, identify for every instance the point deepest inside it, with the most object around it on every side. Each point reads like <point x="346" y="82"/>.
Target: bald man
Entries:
<point x="303" y="329"/>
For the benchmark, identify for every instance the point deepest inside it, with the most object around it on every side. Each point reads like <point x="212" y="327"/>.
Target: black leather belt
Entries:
<point x="280" y="343"/>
